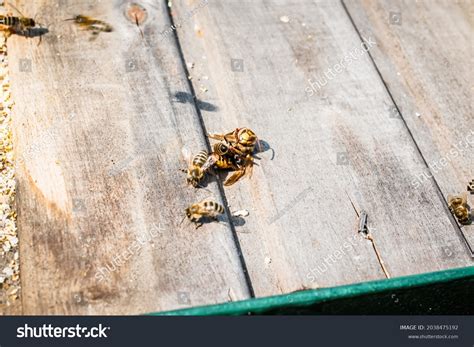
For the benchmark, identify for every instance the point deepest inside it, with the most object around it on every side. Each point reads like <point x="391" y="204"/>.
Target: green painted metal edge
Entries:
<point x="311" y="297"/>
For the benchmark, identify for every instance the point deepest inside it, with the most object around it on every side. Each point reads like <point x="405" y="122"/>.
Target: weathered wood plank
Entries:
<point x="332" y="142"/>
<point x="98" y="136"/>
<point x="425" y="58"/>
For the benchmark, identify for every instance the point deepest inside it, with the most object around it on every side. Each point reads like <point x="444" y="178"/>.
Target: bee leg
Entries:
<point x="40" y="39"/>
<point x="216" y="137"/>
<point x="198" y="225"/>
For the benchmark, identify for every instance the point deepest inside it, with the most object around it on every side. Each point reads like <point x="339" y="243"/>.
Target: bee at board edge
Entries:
<point x="21" y="25"/>
<point x="459" y="208"/>
<point x="206" y="209"/>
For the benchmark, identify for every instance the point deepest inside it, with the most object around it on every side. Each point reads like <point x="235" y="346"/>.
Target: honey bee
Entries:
<point x="195" y="171"/>
<point x="20" y="25"/>
<point x="241" y="140"/>
<point x="458" y="206"/>
<point x="204" y="209"/>
<point x="96" y="26"/>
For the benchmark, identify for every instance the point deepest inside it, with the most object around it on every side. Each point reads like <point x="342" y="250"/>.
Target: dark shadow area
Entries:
<point x="238" y="221"/>
<point x="32" y="32"/>
<point x="264" y="146"/>
<point x="183" y="98"/>
<point x="453" y="297"/>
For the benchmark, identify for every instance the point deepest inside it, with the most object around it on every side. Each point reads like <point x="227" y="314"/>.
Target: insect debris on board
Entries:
<point x="363" y="223"/>
<point x="93" y="25"/>
<point x="459" y="208"/>
<point x="206" y="209"/>
<point x="234" y="152"/>
<point x="223" y="158"/>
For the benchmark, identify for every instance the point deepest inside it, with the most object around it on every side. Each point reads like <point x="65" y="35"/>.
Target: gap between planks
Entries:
<point x="208" y="145"/>
<point x="410" y="134"/>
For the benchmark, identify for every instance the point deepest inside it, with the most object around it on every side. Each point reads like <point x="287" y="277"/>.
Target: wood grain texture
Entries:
<point x="425" y="56"/>
<point x="334" y="148"/>
<point x="98" y="134"/>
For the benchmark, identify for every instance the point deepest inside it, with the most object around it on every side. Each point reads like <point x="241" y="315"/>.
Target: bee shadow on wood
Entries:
<point x="183" y="98"/>
<point x="32" y="32"/>
<point x="238" y="221"/>
<point x="470" y="214"/>
<point x="264" y="146"/>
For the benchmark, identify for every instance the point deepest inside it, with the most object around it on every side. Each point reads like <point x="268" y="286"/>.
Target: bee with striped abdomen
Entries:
<point x="20" y="25"/>
<point x="195" y="171"/>
<point x="218" y="158"/>
<point x="17" y="24"/>
<point x="458" y="206"/>
<point x="204" y="209"/>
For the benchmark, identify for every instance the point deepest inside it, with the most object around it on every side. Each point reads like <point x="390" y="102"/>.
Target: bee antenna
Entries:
<point x="182" y="220"/>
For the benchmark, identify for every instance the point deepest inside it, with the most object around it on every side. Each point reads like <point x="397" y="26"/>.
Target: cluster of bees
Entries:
<point x="232" y="152"/>
<point x="458" y="205"/>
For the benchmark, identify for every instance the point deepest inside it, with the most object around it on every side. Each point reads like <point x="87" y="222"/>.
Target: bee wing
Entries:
<point x="101" y="26"/>
<point x="249" y="168"/>
<point x="211" y="160"/>
<point x="234" y="177"/>
<point x="464" y="198"/>
<point x="231" y="137"/>
<point x="187" y="155"/>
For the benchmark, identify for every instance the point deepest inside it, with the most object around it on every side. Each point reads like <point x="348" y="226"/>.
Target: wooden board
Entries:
<point x="335" y="144"/>
<point x="98" y="136"/>
<point x="99" y="128"/>
<point x="425" y="58"/>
